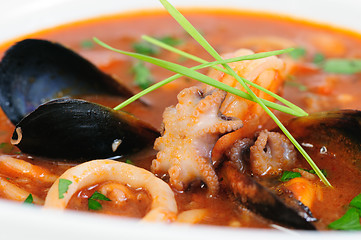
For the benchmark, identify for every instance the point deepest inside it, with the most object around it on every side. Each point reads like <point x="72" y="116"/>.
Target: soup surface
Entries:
<point x="307" y="84"/>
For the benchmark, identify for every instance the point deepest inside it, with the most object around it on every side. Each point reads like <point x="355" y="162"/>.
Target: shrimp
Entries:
<point x="267" y="73"/>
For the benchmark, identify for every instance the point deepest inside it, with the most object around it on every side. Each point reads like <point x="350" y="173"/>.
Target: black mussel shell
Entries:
<point x="80" y="130"/>
<point x="261" y="200"/>
<point x="34" y="71"/>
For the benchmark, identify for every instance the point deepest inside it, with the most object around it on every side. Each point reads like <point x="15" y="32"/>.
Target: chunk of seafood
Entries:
<point x="336" y="134"/>
<point x="261" y="200"/>
<point x="271" y="154"/>
<point x="81" y="130"/>
<point x="190" y="131"/>
<point x="34" y="71"/>
<point x="163" y="207"/>
<point x="267" y="73"/>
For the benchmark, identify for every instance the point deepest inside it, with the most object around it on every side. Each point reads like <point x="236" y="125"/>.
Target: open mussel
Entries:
<point x="80" y="130"/>
<point x="34" y="71"/>
<point x="337" y="133"/>
<point x="261" y="200"/>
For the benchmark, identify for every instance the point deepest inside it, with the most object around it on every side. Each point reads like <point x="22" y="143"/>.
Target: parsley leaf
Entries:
<point x="349" y="221"/>
<point x="95" y="205"/>
<point x="29" y="199"/>
<point x="290" y="82"/>
<point x="98" y="196"/>
<point x="298" y="53"/>
<point x="146" y="48"/>
<point x="313" y="171"/>
<point x="356" y="202"/>
<point x="129" y="161"/>
<point x="288" y="175"/>
<point x="63" y="187"/>
<point x="87" y="44"/>
<point x="142" y="75"/>
<point x="172" y="41"/>
<point x="318" y="58"/>
<point x="342" y="66"/>
<point x="6" y="147"/>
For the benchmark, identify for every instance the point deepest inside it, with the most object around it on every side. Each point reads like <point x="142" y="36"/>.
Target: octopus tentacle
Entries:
<point x="191" y="129"/>
<point x="164" y="207"/>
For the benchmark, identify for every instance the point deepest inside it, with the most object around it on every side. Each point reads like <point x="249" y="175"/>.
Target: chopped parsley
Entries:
<point x="129" y="161"/>
<point x="172" y="41"/>
<point x="63" y="187"/>
<point x="288" y="175"/>
<point x="356" y="202"/>
<point x="29" y="199"/>
<point x="342" y="66"/>
<point x="298" y="53"/>
<point x="351" y="219"/>
<point x="142" y="76"/>
<point x="93" y="204"/>
<point x="87" y="44"/>
<point x="6" y="147"/>
<point x="146" y="48"/>
<point x="313" y="171"/>
<point x="292" y="83"/>
<point x="318" y="58"/>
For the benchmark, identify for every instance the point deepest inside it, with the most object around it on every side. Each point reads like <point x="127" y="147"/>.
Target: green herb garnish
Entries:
<point x="351" y="219"/>
<point x="298" y="53"/>
<point x="200" y="60"/>
<point x="318" y="58"/>
<point x="342" y="66"/>
<point x="202" y="41"/>
<point x="129" y="161"/>
<point x="142" y="76"/>
<point x="93" y="204"/>
<point x="313" y="171"/>
<point x="356" y="202"/>
<point x="6" y="147"/>
<point x="63" y="187"/>
<point x="288" y="175"/>
<point x="29" y="199"/>
<point x="146" y="48"/>
<point x="87" y="44"/>
<point x="292" y="83"/>
<point x="189" y="72"/>
<point x="171" y="41"/>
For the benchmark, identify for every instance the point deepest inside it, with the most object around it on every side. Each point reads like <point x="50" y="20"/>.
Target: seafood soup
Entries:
<point x="186" y="152"/>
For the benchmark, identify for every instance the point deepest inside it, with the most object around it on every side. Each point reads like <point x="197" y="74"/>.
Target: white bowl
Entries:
<point x="19" y="17"/>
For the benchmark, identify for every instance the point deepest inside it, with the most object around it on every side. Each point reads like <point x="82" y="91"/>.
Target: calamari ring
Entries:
<point x="164" y="207"/>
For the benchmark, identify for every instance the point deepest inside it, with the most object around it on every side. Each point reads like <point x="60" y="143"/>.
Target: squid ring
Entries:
<point x="163" y="207"/>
